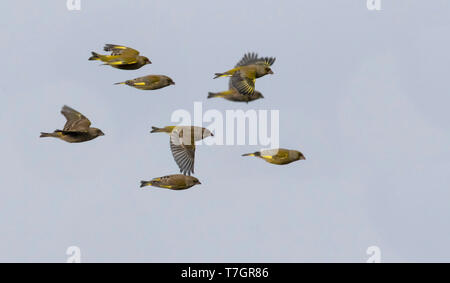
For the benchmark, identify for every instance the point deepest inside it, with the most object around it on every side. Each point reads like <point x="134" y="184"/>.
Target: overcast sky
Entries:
<point x="363" y="94"/>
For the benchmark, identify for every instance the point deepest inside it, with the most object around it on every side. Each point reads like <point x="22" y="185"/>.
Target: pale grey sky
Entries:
<point x="363" y="94"/>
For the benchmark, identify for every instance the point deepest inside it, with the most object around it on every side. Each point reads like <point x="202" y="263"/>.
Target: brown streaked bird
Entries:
<point x="278" y="156"/>
<point x="150" y="82"/>
<point x="232" y="94"/>
<point x="121" y="57"/>
<point x="247" y="70"/>
<point x="77" y="128"/>
<point x="182" y="144"/>
<point x="176" y="182"/>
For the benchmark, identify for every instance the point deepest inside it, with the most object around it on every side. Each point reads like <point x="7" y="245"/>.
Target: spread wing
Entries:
<point x="76" y="122"/>
<point x="242" y="83"/>
<point x="252" y="58"/>
<point x="183" y="154"/>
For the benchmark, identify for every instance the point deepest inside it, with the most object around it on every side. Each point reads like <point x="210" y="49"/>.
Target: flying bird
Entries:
<point x="77" y="128"/>
<point x="247" y="70"/>
<point x="173" y="182"/>
<point x="150" y="82"/>
<point x="232" y="94"/>
<point x="278" y="156"/>
<point x="121" y="57"/>
<point x="182" y="144"/>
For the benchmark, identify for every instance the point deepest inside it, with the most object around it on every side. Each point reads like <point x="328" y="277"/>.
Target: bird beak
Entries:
<point x="199" y="183"/>
<point x="262" y="96"/>
<point x="212" y="135"/>
<point x="302" y="158"/>
<point x="172" y="83"/>
<point x="271" y="72"/>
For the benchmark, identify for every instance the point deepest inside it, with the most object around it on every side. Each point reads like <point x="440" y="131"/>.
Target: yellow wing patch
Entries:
<point x="121" y="63"/>
<point x="139" y="84"/>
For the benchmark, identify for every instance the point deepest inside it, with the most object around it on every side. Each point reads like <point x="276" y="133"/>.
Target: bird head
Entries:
<point x="97" y="132"/>
<point x="262" y="70"/>
<point x="196" y="181"/>
<point x="257" y="94"/>
<point x="269" y="71"/>
<point x="300" y="156"/>
<point x="207" y="133"/>
<point x="145" y="60"/>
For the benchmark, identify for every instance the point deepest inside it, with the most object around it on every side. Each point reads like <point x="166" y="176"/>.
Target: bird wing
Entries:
<point x="183" y="154"/>
<point x="122" y="60"/>
<point x="252" y="58"/>
<point x="281" y="155"/>
<point x="149" y="80"/>
<point x="170" y="182"/>
<point x="243" y="84"/>
<point x="124" y="55"/>
<point x="76" y="122"/>
<point x="120" y="50"/>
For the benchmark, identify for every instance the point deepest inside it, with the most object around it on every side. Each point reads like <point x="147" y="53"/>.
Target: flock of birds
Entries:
<point x="182" y="138"/>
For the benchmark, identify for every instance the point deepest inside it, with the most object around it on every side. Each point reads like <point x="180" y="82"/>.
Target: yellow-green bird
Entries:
<point x="77" y="128"/>
<point x="173" y="182"/>
<point x="150" y="82"/>
<point x="232" y="94"/>
<point x="278" y="156"/>
<point x="182" y="144"/>
<point x="121" y="57"/>
<point x="247" y="70"/>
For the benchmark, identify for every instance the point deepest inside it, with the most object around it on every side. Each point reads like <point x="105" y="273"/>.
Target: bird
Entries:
<point x="182" y="144"/>
<point x="175" y="182"/>
<point x="77" y="128"/>
<point x="278" y="156"/>
<point x="121" y="57"/>
<point x="150" y="82"/>
<point x="247" y="70"/>
<point x="232" y="94"/>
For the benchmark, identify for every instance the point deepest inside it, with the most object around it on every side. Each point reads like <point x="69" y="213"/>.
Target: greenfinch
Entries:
<point x="173" y="182"/>
<point x="232" y="94"/>
<point x="279" y="156"/>
<point x="77" y="128"/>
<point x="247" y="70"/>
<point x="150" y="82"/>
<point x="182" y="144"/>
<point x="121" y="57"/>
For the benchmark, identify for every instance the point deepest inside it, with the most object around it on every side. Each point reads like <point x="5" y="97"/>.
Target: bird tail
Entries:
<point x="46" y="135"/>
<point x="213" y="94"/>
<point x="219" y="94"/>
<point x="146" y="183"/>
<point x="219" y="75"/>
<point x="157" y="130"/>
<point x="227" y="73"/>
<point x="257" y="153"/>
<point x="121" y="83"/>
<point x="95" y="56"/>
